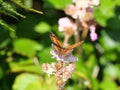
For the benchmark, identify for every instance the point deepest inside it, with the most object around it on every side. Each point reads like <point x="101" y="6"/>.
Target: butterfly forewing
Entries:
<point x="71" y="47"/>
<point x="55" y="40"/>
<point x="74" y="45"/>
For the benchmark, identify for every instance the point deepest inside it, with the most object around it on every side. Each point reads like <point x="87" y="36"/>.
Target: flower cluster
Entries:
<point x="82" y="13"/>
<point x="81" y="9"/>
<point x="61" y="71"/>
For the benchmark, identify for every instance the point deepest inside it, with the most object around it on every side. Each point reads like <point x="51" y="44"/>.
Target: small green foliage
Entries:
<point x="9" y="8"/>
<point x="6" y="25"/>
<point x="19" y="3"/>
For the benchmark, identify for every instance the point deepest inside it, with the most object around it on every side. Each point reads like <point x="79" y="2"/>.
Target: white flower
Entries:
<point x="47" y="68"/>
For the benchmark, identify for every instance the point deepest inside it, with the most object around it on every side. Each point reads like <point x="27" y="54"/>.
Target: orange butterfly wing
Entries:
<point x="71" y="47"/>
<point x="74" y="45"/>
<point x="55" y="40"/>
<point x="57" y="46"/>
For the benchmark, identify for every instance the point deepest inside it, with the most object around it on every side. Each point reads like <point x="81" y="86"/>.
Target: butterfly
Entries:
<point x="59" y="49"/>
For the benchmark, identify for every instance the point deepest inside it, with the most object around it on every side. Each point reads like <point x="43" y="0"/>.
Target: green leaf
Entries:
<point x="45" y="56"/>
<point x="27" y="81"/>
<point x="26" y="47"/>
<point x="26" y="65"/>
<point x="42" y="27"/>
<point x="108" y="84"/>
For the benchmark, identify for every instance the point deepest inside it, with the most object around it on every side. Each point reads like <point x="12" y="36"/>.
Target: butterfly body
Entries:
<point x="59" y="49"/>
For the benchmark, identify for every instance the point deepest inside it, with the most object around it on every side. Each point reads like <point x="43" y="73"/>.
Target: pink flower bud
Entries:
<point x="93" y="35"/>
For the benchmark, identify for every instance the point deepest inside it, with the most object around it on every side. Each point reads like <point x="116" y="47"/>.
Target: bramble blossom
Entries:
<point x="66" y="25"/>
<point x="47" y="68"/>
<point x="63" y="69"/>
<point x="62" y="72"/>
<point x="82" y="12"/>
<point x="73" y="11"/>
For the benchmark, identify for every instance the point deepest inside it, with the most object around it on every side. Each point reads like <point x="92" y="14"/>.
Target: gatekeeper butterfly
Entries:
<point x="59" y="49"/>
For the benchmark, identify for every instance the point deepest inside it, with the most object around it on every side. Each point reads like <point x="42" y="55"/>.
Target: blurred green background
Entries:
<point x="25" y="45"/>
